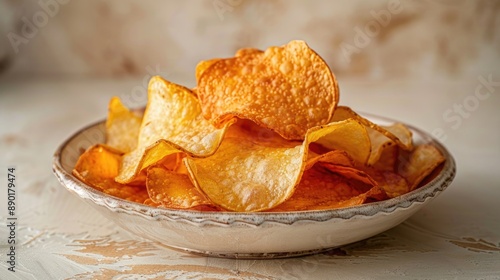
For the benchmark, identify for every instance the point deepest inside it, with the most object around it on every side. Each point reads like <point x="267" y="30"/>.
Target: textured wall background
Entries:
<point x="379" y="39"/>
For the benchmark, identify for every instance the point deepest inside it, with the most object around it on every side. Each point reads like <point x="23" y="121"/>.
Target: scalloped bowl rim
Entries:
<point x="438" y="184"/>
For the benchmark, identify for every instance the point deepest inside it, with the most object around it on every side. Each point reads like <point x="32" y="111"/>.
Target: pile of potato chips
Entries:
<point x="260" y="132"/>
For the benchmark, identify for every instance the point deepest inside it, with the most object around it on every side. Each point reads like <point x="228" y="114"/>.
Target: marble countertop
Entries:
<point x="58" y="236"/>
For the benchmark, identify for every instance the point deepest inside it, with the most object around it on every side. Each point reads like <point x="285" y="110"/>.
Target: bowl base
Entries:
<point x="251" y="256"/>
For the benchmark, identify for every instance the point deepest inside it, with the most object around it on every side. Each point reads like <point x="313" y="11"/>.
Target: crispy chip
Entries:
<point x="122" y="126"/>
<point x="393" y="184"/>
<point x="337" y="157"/>
<point x="388" y="159"/>
<point x="349" y="173"/>
<point x="98" y="166"/>
<point x="320" y="190"/>
<point x="246" y="176"/>
<point x="264" y="136"/>
<point x="202" y="66"/>
<point x="419" y="164"/>
<point x="247" y="51"/>
<point x="288" y="89"/>
<point x="398" y="133"/>
<point x="172" y="189"/>
<point x="172" y="123"/>
<point x="352" y="138"/>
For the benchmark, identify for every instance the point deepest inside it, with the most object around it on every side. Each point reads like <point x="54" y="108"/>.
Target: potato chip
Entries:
<point x="172" y="123"/>
<point x="202" y="66"/>
<point x="419" y="164"/>
<point x="352" y="138"/>
<point x="379" y="143"/>
<point x="320" y="190"/>
<point x="247" y="51"/>
<point x="398" y="133"/>
<point x="288" y="89"/>
<point x="349" y="173"/>
<point x="172" y="189"/>
<point x="337" y="157"/>
<point x="98" y="167"/>
<point x="264" y="136"/>
<point x="149" y="202"/>
<point x="388" y="159"/>
<point x="122" y="126"/>
<point x="393" y="184"/>
<point x="246" y="176"/>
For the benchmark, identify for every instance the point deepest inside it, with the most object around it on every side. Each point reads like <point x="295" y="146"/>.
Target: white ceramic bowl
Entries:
<point x="249" y="235"/>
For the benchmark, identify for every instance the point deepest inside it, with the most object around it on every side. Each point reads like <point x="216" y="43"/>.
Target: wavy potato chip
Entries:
<point x="352" y="138"/>
<point x="247" y="51"/>
<point x="349" y="173"/>
<point x="98" y="167"/>
<point x="202" y="66"/>
<point x="172" y="189"/>
<point x="247" y="176"/>
<point x="337" y="157"/>
<point x="320" y="190"/>
<point x="388" y="159"/>
<point x="122" y="126"/>
<point x="419" y="164"/>
<point x="392" y="183"/>
<point x="172" y="123"/>
<point x="288" y="89"/>
<point x="261" y="135"/>
<point x="398" y="133"/>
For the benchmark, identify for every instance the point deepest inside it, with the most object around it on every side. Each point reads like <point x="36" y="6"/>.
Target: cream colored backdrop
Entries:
<point x="378" y="39"/>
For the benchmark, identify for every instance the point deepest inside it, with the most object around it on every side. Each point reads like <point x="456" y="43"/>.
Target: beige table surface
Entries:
<point x="457" y="236"/>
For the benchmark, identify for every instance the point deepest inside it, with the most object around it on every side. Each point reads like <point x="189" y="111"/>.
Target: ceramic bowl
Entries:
<point x="250" y="235"/>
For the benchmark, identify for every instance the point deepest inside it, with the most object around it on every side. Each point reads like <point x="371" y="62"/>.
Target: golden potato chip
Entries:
<point x="202" y="66"/>
<point x="398" y="133"/>
<point x="98" y="166"/>
<point x="172" y="189"/>
<point x="337" y="157"/>
<point x="350" y="137"/>
<point x="419" y="164"/>
<point x="379" y="143"/>
<point x="247" y="51"/>
<point x="388" y="159"/>
<point x="288" y="89"/>
<point x="122" y="126"/>
<point x="246" y="176"/>
<point x="320" y="190"/>
<point x="149" y="202"/>
<point x="264" y="136"/>
<point x="349" y="173"/>
<point x="172" y="123"/>
<point x="393" y="184"/>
